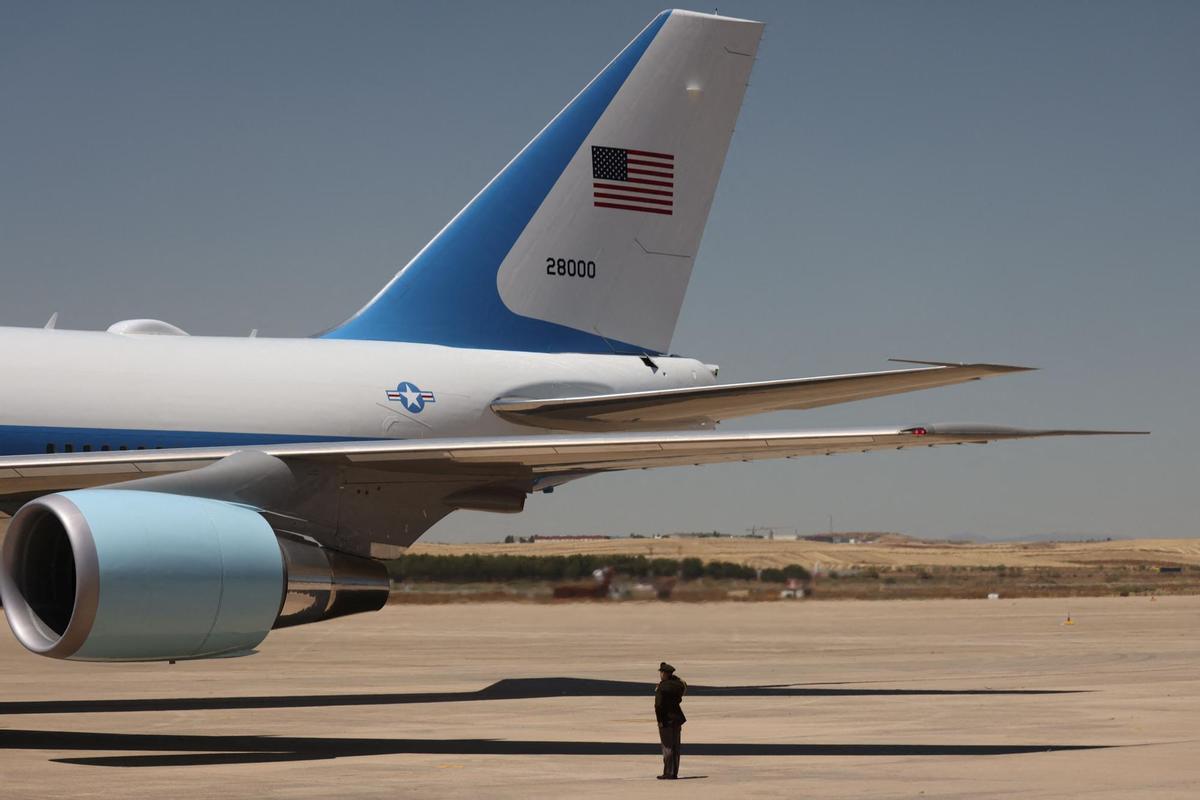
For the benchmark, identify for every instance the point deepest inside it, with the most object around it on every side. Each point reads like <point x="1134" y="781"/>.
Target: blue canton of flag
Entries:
<point x="409" y="396"/>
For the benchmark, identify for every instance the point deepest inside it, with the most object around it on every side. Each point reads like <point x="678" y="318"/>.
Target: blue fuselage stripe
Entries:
<point x="33" y="439"/>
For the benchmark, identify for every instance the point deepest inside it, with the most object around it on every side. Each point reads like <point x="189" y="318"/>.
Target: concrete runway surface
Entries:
<point x="954" y="698"/>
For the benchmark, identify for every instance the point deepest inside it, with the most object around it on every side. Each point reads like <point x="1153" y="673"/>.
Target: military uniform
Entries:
<point x="667" y="698"/>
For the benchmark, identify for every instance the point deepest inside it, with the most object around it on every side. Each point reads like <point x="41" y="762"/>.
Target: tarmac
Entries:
<point x="930" y="699"/>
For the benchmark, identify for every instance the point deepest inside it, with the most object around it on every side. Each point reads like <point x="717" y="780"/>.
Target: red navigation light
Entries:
<point x="918" y="431"/>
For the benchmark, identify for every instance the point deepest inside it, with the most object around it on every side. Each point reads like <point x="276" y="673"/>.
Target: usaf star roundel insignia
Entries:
<point x="408" y="395"/>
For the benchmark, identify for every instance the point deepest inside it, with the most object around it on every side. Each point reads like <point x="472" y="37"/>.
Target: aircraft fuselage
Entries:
<point x="71" y="391"/>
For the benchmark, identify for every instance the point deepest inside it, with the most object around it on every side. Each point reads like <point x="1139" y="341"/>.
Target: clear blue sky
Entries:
<point x="1010" y="181"/>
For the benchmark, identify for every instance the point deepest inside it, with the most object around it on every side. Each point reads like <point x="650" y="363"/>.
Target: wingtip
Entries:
<point x="1097" y="433"/>
<point x="1006" y="432"/>
<point x="997" y="368"/>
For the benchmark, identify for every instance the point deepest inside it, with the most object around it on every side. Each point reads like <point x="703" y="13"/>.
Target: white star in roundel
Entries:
<point x="409" y="395"/>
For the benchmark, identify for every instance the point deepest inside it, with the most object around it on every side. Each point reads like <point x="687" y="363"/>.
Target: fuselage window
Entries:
<point x="50" y="447"/>
<point x="87" y="448"/>
<point x="105" y="447"/>
<point x="123" y="447"/>
<point x="68" y="448"/>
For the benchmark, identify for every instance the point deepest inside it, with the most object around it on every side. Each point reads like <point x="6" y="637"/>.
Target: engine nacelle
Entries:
<point x="129" y="575"/>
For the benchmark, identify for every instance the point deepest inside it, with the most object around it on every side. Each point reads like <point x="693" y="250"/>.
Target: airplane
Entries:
<point x="206" y="490"/>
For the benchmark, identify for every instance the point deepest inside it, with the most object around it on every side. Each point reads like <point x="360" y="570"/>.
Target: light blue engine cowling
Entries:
<point x="129" y="575"/>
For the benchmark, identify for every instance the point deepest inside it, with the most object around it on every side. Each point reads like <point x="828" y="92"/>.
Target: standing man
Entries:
<point x="667" y="698"/>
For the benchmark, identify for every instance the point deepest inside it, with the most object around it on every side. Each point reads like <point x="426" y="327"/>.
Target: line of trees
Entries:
<point x="499" y="568"/>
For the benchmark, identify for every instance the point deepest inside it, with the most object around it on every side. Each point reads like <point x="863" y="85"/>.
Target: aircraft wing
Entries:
<point x="704" y="406"/>
<point x="505" y="457"/>
<point x="367" y="498"/>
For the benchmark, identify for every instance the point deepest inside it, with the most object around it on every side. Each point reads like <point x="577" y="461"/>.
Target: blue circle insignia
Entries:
<point x="408" y="395"/>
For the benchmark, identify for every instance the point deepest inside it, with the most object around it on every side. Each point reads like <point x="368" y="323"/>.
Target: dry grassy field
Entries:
<point x="889" y="551"/>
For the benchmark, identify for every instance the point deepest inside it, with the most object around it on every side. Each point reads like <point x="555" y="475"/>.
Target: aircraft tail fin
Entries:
<point x="585" y="241"/>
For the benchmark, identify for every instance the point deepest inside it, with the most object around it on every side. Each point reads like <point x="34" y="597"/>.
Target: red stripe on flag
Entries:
<point x="667" y="156"/>
<point x="654" y="200"/>
<point x="666" y="211"/>
<point x="624" y="188"/>
<point x="656" y="173"/>
<point x="649" y="182"/>
<point x="656" y="164"/>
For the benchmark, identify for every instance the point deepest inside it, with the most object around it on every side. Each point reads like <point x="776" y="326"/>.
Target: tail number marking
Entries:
<point x="570" y="268"/>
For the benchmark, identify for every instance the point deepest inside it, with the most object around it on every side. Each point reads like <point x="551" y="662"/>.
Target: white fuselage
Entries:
<point x="114" y="388"/>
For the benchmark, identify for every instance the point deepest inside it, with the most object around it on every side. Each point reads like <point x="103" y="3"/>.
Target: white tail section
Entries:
<point x="611" y="248"/>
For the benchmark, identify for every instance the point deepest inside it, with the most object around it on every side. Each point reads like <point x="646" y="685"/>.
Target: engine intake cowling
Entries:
<point x="129" y="575"/>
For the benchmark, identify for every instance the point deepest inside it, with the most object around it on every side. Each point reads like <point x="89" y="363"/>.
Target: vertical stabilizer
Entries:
<point x="585" y="241"/>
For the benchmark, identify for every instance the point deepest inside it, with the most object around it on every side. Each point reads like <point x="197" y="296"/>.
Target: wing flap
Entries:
<point x="704" y="406"/>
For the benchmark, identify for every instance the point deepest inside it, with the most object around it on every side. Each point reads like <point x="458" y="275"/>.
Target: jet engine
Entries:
<point x="130" y="575"/>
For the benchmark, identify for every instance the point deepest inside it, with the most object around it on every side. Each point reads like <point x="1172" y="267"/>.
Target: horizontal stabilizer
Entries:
<point x="706" y="405"/>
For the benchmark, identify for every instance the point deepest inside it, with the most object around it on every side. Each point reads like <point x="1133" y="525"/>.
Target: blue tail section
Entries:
<point x="448" y="293"/>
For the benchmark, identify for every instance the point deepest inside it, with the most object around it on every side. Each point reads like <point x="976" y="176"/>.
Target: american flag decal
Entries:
<point x="633" y="180"/>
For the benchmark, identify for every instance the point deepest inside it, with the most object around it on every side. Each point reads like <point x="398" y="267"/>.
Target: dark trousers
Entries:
<point x="669" y="736"/>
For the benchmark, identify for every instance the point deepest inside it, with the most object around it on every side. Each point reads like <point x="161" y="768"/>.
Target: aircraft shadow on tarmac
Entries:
<point x="150" y="750"/>
<point x="196" y="750"/>
<point x="507" y="689"/>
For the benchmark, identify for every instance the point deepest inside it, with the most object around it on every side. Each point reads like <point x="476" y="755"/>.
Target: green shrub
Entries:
<point x="727" y="570"/>
<point x="796" y="571"/>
